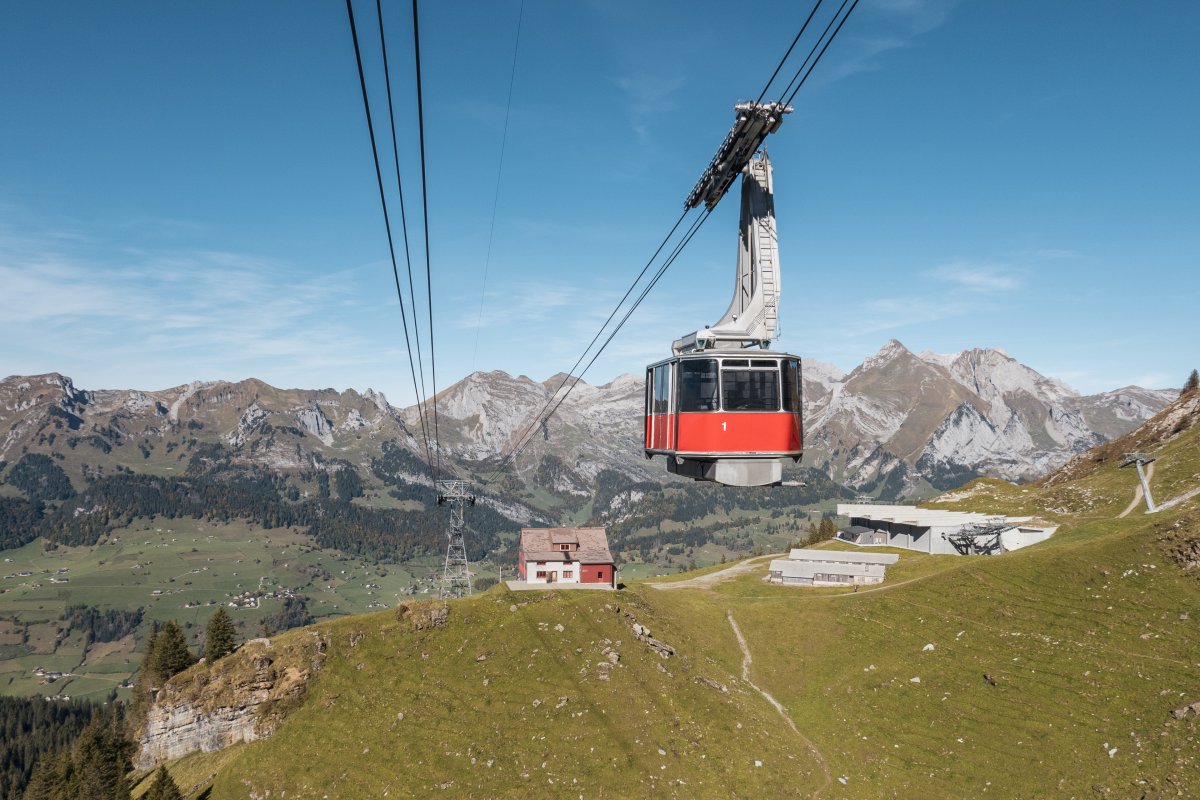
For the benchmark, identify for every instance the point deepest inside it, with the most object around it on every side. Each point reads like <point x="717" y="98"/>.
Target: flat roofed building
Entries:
<point x="566" y="555"/>
<point x="930" y="530"/>
<point x="830" y="568"/>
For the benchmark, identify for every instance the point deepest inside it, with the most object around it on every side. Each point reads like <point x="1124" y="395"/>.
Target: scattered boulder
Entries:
<point x="423" y="614"/>
<point x="642" y="634"/>
<point x="1192" y="709"/>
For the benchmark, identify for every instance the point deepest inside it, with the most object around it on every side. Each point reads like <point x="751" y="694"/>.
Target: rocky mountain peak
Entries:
<point x="890" y="352"/>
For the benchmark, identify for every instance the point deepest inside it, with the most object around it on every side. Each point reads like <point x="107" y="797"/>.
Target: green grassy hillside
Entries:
<point x="1052" y="671"/>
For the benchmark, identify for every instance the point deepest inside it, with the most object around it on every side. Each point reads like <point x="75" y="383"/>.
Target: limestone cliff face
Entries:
<point x="241" y="698"/>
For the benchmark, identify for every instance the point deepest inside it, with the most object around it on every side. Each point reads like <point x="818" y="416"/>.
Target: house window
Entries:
<point x="564" y="547"/>
<point x="568" y="573"/>
<point x="541" y="563"/>
<point x="541" y="573"/>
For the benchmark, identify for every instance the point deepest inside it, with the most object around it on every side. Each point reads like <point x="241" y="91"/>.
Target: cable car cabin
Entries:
<point x="728" y="417"/>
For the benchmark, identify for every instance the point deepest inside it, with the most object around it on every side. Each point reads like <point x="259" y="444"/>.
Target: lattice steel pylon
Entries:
<point x="456" y="575"/>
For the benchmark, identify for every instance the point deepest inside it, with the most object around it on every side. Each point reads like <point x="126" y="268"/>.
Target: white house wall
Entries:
<point x="557" y="567"/>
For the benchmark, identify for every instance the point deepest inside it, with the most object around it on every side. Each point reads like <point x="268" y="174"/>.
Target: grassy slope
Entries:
<point x="418" y="715"/>
<point x="1090" y="640"/>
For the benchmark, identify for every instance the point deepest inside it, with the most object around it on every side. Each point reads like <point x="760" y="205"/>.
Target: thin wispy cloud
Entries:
<point x="178" y="315"/>
<point x="976" y="278"/>
<point x="879" y="27"/>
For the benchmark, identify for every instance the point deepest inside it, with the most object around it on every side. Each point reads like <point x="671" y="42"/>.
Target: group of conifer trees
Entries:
<point x="168" y="654"/>
<point x="97" y="764"/>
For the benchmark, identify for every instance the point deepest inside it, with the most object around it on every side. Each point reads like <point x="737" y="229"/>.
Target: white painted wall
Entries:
<point x="557" y="567"/>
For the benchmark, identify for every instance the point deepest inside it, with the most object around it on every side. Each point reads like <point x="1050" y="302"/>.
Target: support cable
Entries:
<point x="783" y="60"/>
<point x="499" y="173"/>
<point x="805" y="64"/>
<point x="538" y="419"/>
<point x="801" y="76"/>
<point x="661" y="271"/>
<point x="437" y="441"/>
<point x="387" y="77"/>
<point x="386" y="219"/>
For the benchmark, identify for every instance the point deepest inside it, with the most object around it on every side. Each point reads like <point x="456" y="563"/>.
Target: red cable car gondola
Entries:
<point x="718" y="409"/>
<point x="725" y="416"/>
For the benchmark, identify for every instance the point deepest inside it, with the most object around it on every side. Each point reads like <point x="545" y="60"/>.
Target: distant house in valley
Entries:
<point x="566" y="556"/>
<point x="830" y="568"/>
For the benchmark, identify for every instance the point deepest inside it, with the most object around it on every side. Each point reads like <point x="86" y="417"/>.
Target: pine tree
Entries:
<point x="170" y="654"/>
<point x="50" y="778"/>
<point x="94" y="769"/>
<point x="164" y="787"/>
<point x="219" y="636"/>
<point x="1193" y="382"/>
<point x="100" y="765"/>
<point x="827" y="530"/>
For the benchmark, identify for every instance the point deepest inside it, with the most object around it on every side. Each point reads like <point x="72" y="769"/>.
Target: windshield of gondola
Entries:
<point x="750" y="389"/>
<point x="698" y="384"/>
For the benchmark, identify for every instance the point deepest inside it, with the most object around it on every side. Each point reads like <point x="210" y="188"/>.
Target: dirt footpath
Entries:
<point x="713" y="578"/>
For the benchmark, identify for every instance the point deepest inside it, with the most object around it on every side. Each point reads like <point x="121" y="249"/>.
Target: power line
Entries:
<point x="437" y="441"/>
<point x="499" y="172"/>
<point x="362" y="81"/>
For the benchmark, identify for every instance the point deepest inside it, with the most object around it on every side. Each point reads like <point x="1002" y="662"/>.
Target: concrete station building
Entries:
<point x="830" y="568"/>
<point x="935" y="531"/>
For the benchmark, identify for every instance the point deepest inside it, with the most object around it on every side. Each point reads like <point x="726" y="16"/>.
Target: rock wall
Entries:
<point x="241" y="698"/>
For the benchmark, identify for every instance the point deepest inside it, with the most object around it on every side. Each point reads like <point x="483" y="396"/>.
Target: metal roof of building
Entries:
<point x="842" y="556"/>
<point x="807" y="569"/>
<point x="911" y="515"/>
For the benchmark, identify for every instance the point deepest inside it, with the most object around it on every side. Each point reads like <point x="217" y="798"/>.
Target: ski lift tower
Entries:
<point x="1140" y="459"/>
<point x="456" y="575"/>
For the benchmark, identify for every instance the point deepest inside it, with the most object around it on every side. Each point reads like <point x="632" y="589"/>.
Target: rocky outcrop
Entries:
<point x="241" y="698"/>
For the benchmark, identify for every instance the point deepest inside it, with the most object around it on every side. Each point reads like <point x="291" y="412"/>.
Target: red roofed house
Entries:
<point x="566" y="555"/>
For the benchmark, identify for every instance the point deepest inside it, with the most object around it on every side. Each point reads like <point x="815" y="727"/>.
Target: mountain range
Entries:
<point x="897" y="425"/>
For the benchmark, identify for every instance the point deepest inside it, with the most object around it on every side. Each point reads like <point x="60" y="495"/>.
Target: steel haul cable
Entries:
<point x="387" y="76"/>
<point x="437" y="442"/>
<point x="798" y="80"/>
<point x="661" y="271"/>
<point x="386" y="219"/>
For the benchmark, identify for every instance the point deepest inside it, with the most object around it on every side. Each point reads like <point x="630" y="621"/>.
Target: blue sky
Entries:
<point x="188" y="191"/>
